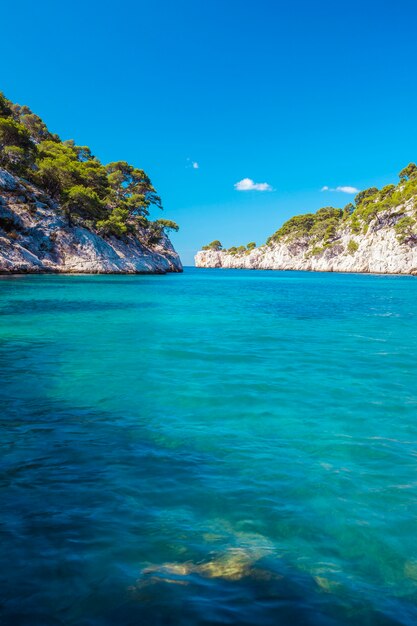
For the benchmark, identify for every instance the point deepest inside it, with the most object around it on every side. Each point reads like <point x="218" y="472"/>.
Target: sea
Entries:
<point x="213" y="447"/>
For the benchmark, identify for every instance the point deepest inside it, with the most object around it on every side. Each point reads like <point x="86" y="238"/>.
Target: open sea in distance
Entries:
<point x="217" y="447"/>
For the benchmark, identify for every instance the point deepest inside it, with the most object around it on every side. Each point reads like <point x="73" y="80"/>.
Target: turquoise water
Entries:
<point x="217" y="447"/>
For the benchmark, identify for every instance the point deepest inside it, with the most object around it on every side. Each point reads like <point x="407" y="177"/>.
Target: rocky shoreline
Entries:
<point x="379" y="250"/>
<point x="35" y="238"/>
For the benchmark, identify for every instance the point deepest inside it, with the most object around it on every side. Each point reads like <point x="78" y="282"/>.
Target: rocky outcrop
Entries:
<point x="378" y="250"/>
<point x="35" y="238"/>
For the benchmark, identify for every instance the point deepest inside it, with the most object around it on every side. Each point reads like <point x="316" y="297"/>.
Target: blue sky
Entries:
<point x="297" y="95"/>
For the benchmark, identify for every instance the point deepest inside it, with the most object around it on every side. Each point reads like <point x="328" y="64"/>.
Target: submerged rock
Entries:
<point x="237" y="561"/>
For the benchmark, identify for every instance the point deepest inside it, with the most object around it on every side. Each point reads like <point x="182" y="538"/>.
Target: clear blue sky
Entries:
<point x="298" y="95"/>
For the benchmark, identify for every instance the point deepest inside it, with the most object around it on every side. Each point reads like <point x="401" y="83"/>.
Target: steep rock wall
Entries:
<point x="35" y="238"/>
<point x="379" y="250"/>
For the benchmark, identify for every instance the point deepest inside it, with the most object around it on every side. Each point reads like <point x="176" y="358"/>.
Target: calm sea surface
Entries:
<point x="217" y="447"/>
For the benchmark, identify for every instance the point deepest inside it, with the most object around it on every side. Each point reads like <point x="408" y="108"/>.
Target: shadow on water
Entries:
<point x="49" y="306"/>
<point x="56" y="281"/>
<point x="83" y="542"/>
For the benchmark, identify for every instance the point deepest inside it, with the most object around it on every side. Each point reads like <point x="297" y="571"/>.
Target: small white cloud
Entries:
<point x="341" y="189"/>
<point x="193" y="164"/>
<point x="247" y="184"/>
<point x="347" y="189"/>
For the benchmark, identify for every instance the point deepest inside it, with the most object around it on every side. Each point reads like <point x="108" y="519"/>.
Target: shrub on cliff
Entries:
<point x="348" y="210"/>
<point x="214" y="245"/>
<point x="297" y="226"/>
<point x="409" y="172"/>
<point x="115" y="224"/>
<point x="352" y="246"/>
<point x="372" y="203"/>
<point x="167" y="225"/>
<point x="17" y="150"/>
<point x="406" y="229"/>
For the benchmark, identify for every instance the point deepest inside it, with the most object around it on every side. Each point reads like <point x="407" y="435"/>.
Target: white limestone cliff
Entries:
<point x="35" y="238"/>
<point x="379" y="250"/>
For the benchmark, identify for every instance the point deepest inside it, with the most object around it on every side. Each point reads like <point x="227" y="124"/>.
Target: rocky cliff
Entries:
<point x="63" y="210"/>
<point x="35" y="237"/>
<point x="380" y="238"/>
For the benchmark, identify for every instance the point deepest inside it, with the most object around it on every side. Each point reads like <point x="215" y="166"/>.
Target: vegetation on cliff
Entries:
<point x="217" y="246"/>
<point x="112" y="199"/>
<point x="370" y="204"/>
<point x="321" y="230"/>
<point x="214" y="245"/>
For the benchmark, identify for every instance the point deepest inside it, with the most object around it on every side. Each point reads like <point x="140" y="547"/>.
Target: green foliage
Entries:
<point x="236" y="250"/>
<point x="15" y="159"/>
<point x="348" y="210"/>
<point x="5" y="107"/>
<point x="115" y="198"/>
<point x="297" y="226"/>
<point x="355" y="223"/>
<point x="409" y="172"/>
<point x="372" y="203"/>
<point x="16" y="146"/>
<point x="387" y="191"/>
<point x="168" y="225"/>
<point x="365" y="194"/>
<point x="326" y="223"/>
<point x="352" y="246"/>
<point x="316" y="251"/>
<point x="155" y="229"/>
<point x="62" y="165"/>
<point x="214" y="245"/>
<point x="35" y="127"/>
<point x="116" y="223"/>
<point x="154" y="233"/>
<point x="316" y="226"/>
<point x="83" y="202"/>
<point x="132" y="188"/>
<point x="406" y="229"/>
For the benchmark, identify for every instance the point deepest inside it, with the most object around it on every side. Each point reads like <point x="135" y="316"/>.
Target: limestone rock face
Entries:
<point x="378" y="251"/>
<point x="35" y="238"/>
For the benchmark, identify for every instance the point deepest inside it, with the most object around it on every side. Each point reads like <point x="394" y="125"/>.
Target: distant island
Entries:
<point x="378" y="234"/>
<point x="62" y="210"/>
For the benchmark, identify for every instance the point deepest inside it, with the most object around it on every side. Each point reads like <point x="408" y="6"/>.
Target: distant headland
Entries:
<point x="376" y="234"/>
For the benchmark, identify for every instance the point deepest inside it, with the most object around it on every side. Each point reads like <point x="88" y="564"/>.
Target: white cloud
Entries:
<point x="193" y="164"/>
<point x="347" y="189"/>
<point x="247" y="184"/>
<point x="341" y="188"/>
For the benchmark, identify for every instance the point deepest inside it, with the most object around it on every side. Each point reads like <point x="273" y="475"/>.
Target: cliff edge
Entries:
<point x="35" y="237"/>
<point x="378" y="235"/>
<point x="63" y="210"/>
